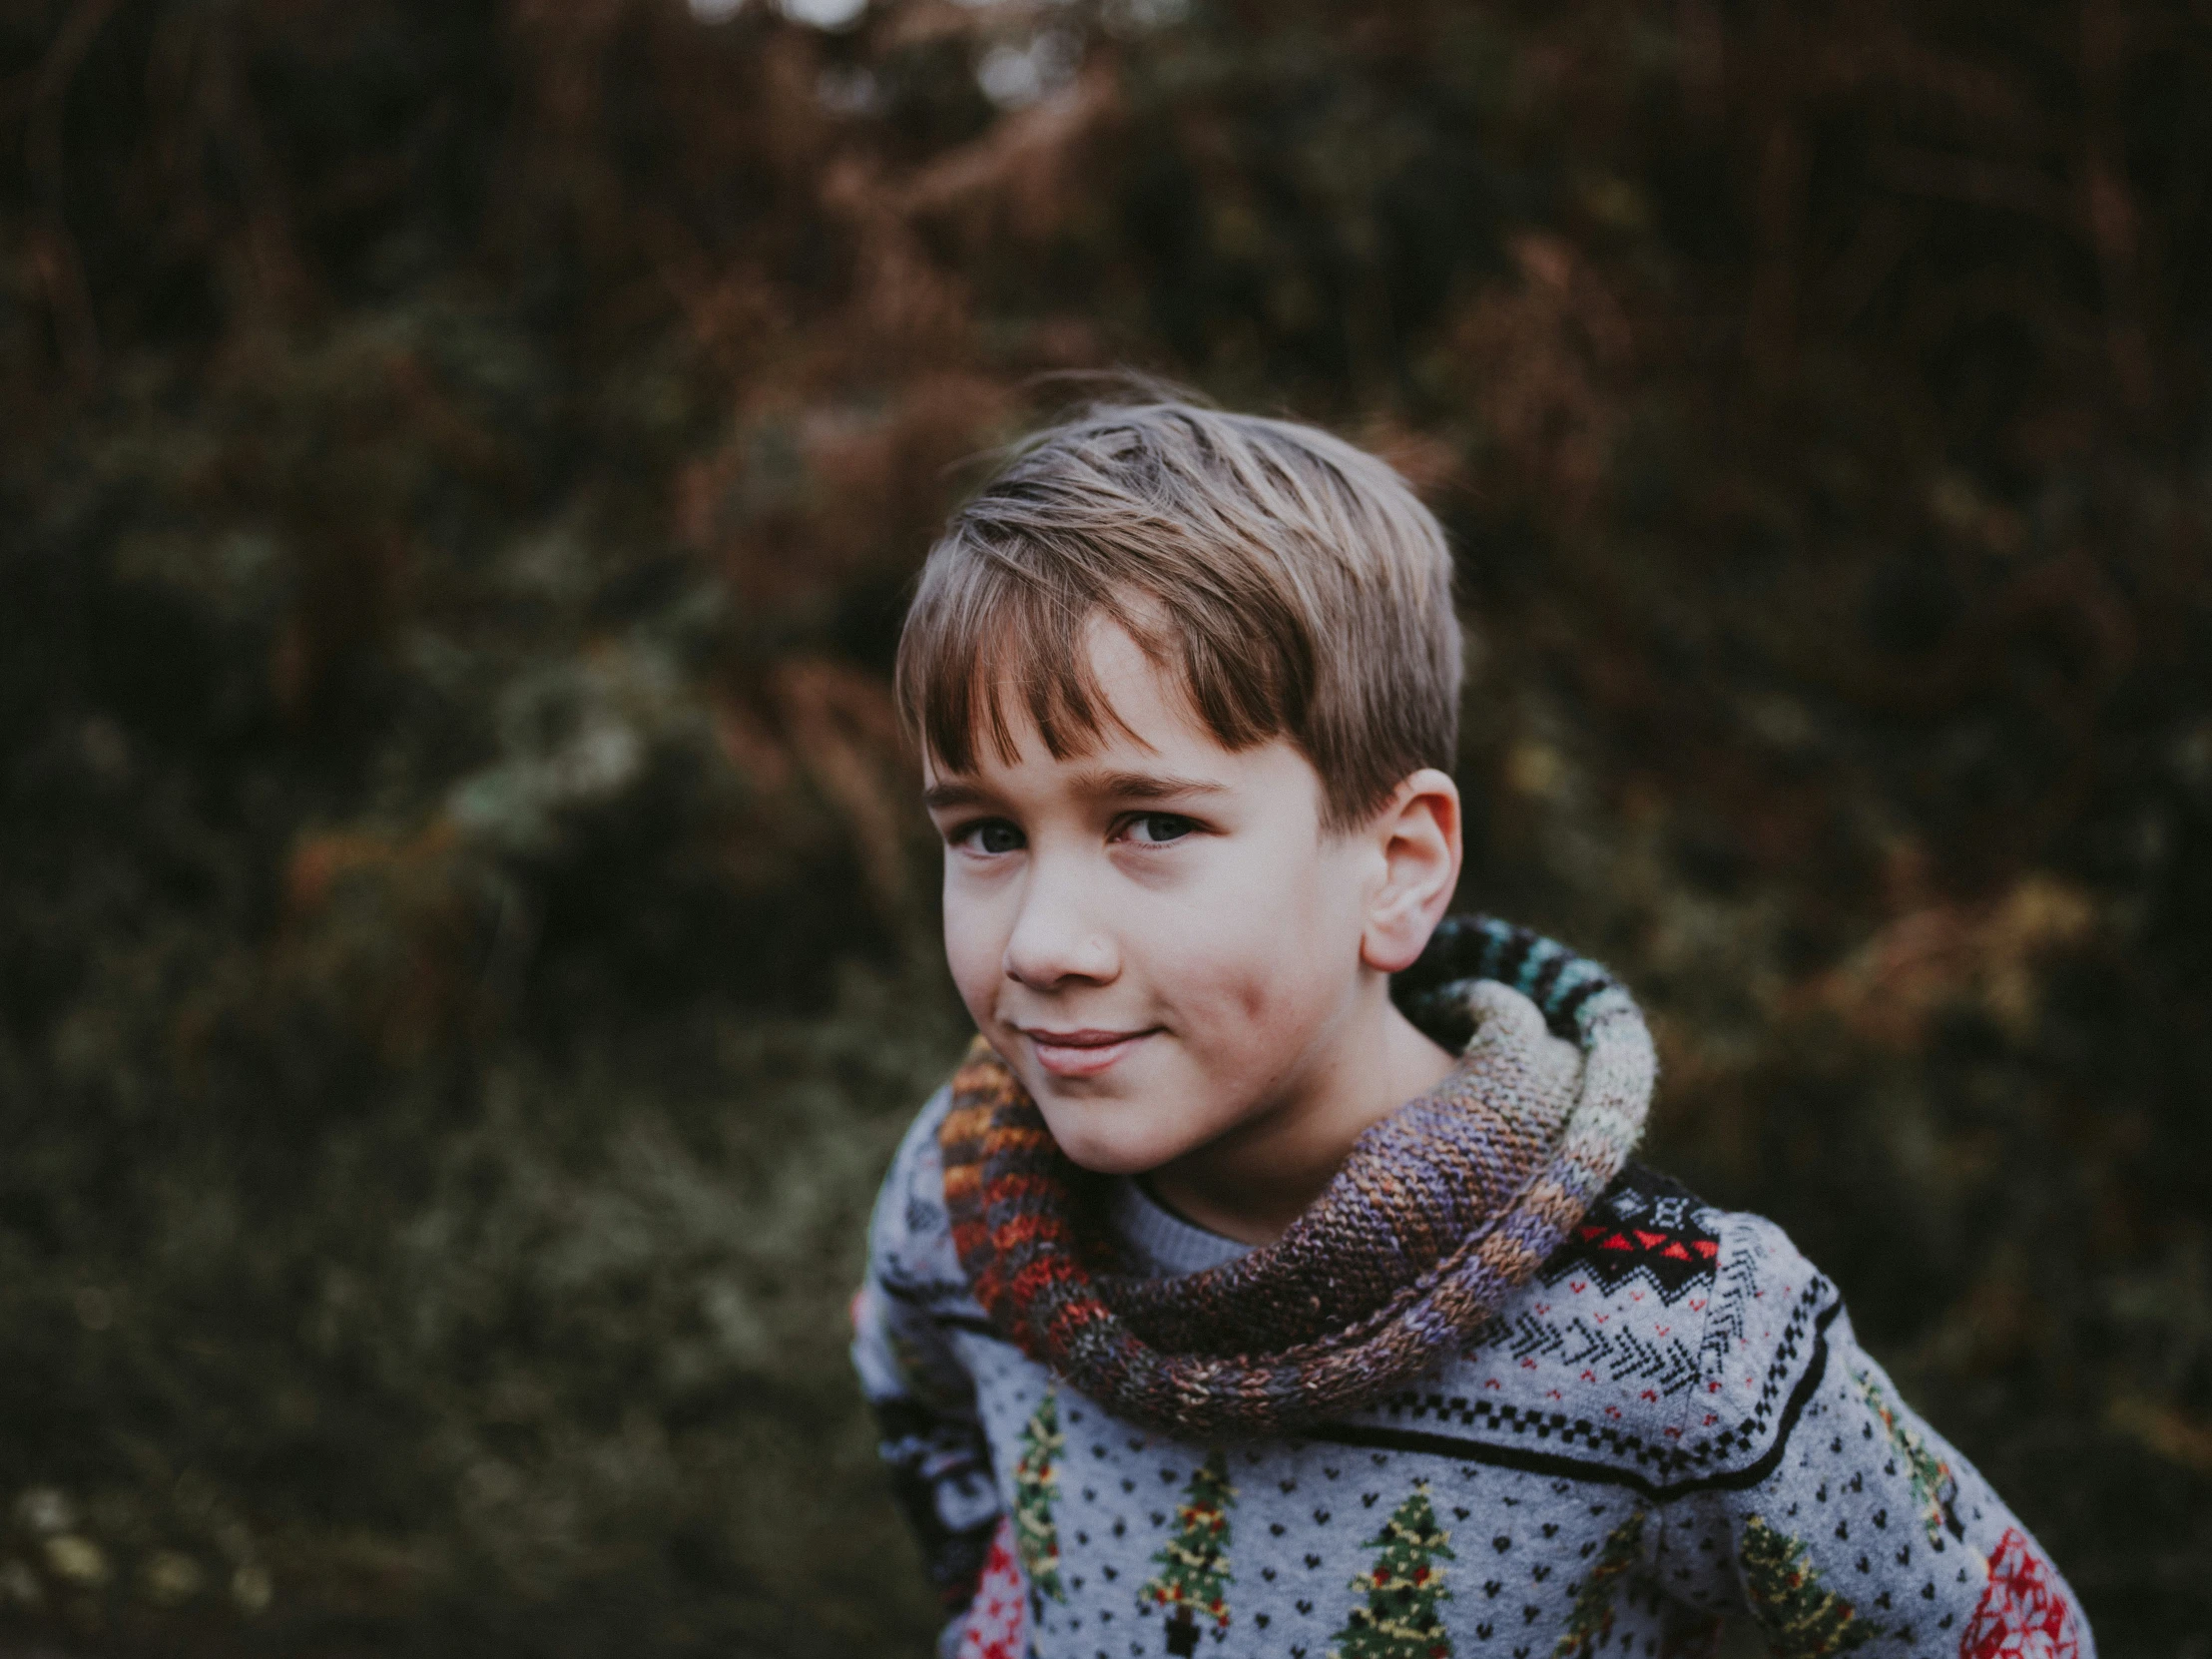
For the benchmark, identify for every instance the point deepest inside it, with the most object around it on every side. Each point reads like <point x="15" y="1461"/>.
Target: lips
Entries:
<point x="1084" y="1053"/>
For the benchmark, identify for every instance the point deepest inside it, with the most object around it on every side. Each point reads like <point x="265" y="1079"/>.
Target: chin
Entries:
<point x="1097" y="1147"/>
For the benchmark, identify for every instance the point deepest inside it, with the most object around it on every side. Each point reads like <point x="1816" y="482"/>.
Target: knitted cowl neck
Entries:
<point x="1439" y="1211"/>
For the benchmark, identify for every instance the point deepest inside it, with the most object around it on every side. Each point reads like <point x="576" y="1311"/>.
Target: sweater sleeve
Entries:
<point x="932" y="1440"/>
<point x="1859" y="1529"/>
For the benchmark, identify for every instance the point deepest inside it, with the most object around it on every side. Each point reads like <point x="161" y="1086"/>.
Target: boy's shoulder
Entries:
<point x="911" y="1235"/>
<point x="1668" y="1344"/>
<point x="1728" y="1283"/>
<point x="1650" y="1242"/>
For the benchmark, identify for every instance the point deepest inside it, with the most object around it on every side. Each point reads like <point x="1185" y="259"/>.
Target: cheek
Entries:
<point x="1266" y="990"/>
<point x="1270" y="970"/>
<point x="974" y="948"/>
<point x="1271" y="938"/>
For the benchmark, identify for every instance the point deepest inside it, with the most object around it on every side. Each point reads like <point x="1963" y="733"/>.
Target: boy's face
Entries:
<point x="1158" y="935"/>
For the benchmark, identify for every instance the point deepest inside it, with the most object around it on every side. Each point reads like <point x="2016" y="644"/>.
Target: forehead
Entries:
<point x="1144" y="718"/>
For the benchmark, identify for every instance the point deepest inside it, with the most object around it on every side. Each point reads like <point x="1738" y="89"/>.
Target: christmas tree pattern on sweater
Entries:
<point x="1398" y="1620"/>
<point x="1932" y="1483"/>
<point x="1802" y="1621"/>
<point x="1591" y="1621"/>
<point x="1036" y="1485"/>
<point x="1194" y="1575"/>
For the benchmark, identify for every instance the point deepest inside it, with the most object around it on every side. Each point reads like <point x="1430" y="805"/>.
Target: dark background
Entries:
<point x="466" y="939"/>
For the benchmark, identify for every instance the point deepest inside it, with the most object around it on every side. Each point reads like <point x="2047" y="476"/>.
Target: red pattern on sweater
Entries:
<point x="2024" y="1614"/>
<point x="998" y="1622"/>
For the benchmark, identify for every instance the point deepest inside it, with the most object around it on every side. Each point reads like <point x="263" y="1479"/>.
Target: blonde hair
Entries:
<point x="1292" y="583"/>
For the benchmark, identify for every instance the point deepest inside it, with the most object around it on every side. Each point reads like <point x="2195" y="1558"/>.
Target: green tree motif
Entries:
<point x="1801" y="1620"/>
<point x="1591" y="1619"/>
<point x="1036" y="1485"/>
<point x="1402" y="1588"/>
<point x="1194" y="1564"/>
<point x="1933" y="1487"/>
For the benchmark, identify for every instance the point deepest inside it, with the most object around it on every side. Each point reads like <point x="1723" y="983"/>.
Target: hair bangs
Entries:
<point x="1002" y="640"/>
<point x="1008" y="634"/>
<point x="1290" y="584"/>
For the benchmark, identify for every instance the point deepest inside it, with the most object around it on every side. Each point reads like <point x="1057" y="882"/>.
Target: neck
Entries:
<point x="1253" y="1182"/>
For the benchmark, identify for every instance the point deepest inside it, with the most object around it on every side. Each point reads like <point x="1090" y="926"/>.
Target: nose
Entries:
<point x="1056" y="937"/>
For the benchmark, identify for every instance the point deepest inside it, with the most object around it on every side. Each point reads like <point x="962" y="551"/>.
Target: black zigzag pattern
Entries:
<point x="1790" y="1375"/>
<point x="1661" y="1361"/>
<point x="1725" y="1324"/>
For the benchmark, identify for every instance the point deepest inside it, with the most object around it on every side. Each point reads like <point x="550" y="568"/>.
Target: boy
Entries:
<point x="1273" y="1275"/>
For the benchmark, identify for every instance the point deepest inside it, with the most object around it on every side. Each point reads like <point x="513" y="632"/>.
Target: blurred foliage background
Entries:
<point x="466" y="940"/>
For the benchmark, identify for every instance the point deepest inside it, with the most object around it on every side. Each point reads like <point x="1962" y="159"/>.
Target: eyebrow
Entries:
<point x="1146" y="786"/>
<point x="1119" y="786"/>
<point x="939" y="797"/>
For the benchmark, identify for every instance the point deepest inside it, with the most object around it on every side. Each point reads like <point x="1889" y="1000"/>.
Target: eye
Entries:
<point x="990" y="836"/>
<point x="1159" y="829"/>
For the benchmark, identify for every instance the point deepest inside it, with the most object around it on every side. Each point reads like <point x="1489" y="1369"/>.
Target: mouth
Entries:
<point x="1084" y="1053"/>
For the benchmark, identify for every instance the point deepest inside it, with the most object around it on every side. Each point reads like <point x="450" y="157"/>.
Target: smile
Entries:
<point x="1081" y="1053"/>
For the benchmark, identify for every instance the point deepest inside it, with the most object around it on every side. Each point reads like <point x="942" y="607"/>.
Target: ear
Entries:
<point x="1417" y="834"/>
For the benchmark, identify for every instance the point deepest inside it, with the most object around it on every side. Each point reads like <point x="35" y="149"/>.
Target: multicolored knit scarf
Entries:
<point x="1439" y="1211"/>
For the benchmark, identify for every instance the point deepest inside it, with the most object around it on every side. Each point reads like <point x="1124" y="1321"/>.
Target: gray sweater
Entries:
<point x="1671" y="1425"/>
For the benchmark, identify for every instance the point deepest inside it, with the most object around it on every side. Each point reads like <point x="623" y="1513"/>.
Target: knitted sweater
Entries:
<point x="1669" y="1424"/>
